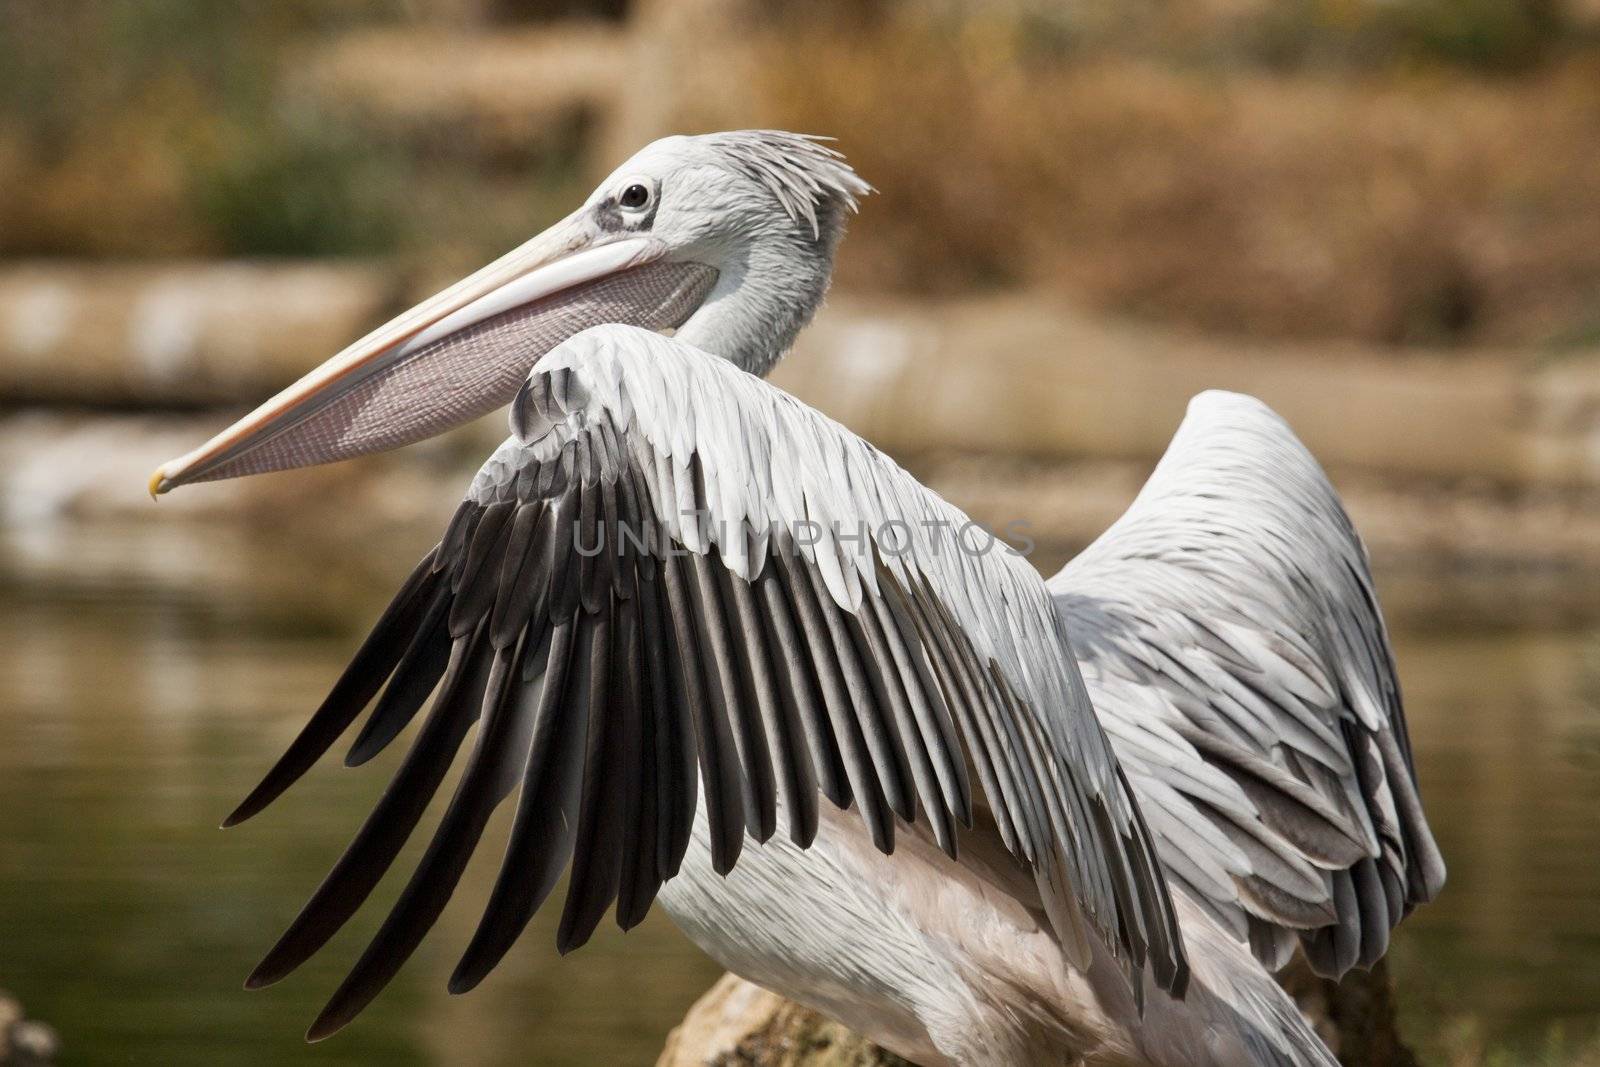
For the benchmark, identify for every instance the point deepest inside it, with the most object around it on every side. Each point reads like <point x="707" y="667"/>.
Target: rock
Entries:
<point x="739" y="1024"/>
<point x="24" y="1042"/>
<point x="33" y="1043"/>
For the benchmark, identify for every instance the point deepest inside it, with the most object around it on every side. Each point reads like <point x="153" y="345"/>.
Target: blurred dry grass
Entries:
<point x="1420" y="171"/>
<point x="151" y="129"/>
<point x="1393" y="201"/>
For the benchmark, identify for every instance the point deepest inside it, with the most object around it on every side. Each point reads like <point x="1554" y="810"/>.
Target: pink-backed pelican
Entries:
<point x="1080" y="819"/>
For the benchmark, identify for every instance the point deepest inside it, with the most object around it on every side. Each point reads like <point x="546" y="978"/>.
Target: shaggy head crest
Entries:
<point x="800" y="170"/>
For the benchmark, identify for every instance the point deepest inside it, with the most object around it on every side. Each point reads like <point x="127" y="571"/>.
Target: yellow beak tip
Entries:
<point x="158" y="482"/>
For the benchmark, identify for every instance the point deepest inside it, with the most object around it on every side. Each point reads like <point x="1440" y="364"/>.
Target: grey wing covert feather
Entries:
<point x="1231" y="639"/>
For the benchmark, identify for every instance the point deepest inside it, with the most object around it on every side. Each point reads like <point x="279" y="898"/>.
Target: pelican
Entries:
<point x="723" y="652"/>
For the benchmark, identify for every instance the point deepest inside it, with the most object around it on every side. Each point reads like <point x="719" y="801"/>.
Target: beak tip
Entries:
<point x="159" y="482"/>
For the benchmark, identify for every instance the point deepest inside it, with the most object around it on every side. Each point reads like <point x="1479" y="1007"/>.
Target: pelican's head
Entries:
<point x="726" y="237"/>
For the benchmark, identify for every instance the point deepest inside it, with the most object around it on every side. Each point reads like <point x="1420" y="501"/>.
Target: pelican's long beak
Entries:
<point x="456" y="356"/>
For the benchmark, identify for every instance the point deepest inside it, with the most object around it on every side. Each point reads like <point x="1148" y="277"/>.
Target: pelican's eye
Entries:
<point x="635" y="196"/>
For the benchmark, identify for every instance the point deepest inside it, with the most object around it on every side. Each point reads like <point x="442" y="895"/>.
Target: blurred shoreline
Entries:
<point x="1467" y="472"/>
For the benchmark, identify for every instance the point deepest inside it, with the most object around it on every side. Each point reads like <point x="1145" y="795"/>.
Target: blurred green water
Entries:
<point x="135" y="713"/>
<point x="150" y="675"/>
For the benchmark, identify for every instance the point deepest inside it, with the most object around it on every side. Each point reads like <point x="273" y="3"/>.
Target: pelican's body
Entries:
<point x="722" y="650"/>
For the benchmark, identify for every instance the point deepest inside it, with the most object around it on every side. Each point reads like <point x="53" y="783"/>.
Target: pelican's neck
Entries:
<point x="764" y="296"/>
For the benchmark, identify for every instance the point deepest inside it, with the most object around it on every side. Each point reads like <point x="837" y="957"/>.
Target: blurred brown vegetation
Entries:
<point x="1378" y="172"/>
<point x="152" y="129"/>
<point x="1421" y="171"/>
<point x="159" y="128"/>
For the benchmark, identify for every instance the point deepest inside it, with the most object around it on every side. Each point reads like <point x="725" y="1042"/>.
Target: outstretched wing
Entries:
<point x="676" y="576"/>
<point x="1234" y="651"/>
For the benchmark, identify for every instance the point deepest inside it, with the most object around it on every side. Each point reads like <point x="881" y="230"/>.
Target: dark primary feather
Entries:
<point x="893" y="683"/>
<point x="597" y="851"/>
<point x="547" y="812"/>
<point x="717" y="644"/>
<point x="442" y="865"/>
<point x="421" y="666"/>
<point x="859" y="773"/>
<point x="380" y="838"/>
<point x="373" y="662"/>
<point x="798" y="685"/>
<point x="719" y="768"/>
<point x="672" y="729"/>
<point x="759" y="685"/>
<point x="630" y="688"/>
<point x="868" y="717"/>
